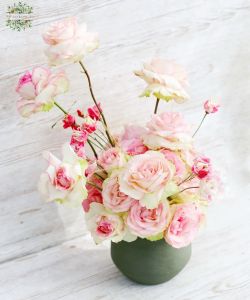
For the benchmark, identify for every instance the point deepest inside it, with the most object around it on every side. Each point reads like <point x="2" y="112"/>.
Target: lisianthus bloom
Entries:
<point x="211" y="107"/>
<point x="166" y="80"/>
<point x="68" y="41"/>
<point x="69" y="121"/>
<point x="145" y="222"/>
<point x="131" y="141"/>
<point x="111" y="159"/>
<point x="64" y="181"/>
<point x="94" y="193"/>
<point x="168" y="130"/>
<point x="201" y="167"/>
<point x="113" y="198"/>
<point x="38" y="88"/>
<point x="146" y="177"/>
<point x="104" y="225"/>
<point x="94" y="112"/>
<point x="184" y="225"/>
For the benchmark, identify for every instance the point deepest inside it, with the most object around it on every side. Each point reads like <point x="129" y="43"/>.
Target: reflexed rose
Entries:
<point x="64" y="181"/>
<point x="113" y="198"/>
<point x="68" y="41"/>
<point x="132" y="140"/>
<point x="168" y="130"/>
<point x="37" y="90"/>
<point x="111" y="159"/>
<point x="201" y="167"/>
<point x="165" y="80"/>
<point x="145" y="222"/>
<point x="145" y="177"/>
<point x="211" y="107"/>
<point x="184" y="225"/>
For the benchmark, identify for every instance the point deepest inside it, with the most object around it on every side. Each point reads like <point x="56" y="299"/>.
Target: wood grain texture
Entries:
<point x="45" y="251"/>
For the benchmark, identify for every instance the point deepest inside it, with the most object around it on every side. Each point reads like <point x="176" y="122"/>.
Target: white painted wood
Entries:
<point x="45" y="252"/>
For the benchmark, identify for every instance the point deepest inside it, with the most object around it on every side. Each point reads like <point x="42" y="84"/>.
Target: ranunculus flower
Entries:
<point x="37" y="90"/>
<point x="113" y="198"/>
<point x="211" y="107"/>
<point x="111" y="159"/>
<point x="64" y="181"/>
<point x="131" y="141"/>
<point x="145" y="178"/>
<point x="166" y="80"/>
<point x="105" y="225"/>
<point x="168" y="130"/>
<point x="184" y="225"/>
<point x="145" y="222"/>
<point x="201" y="167"/>
<point x="174" y="158"/>
<point x="68" y="41"/>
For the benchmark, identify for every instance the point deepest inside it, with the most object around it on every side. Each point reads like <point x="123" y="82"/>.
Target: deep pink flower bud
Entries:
<point x="211" y="107"/>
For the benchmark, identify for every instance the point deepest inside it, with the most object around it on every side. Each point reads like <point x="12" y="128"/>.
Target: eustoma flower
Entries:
<point x="38" y="89"/>
<point x="166" y="80"/>
<point x="168" y="130"/>
<point x="145" y="222"/>
<point x="146" y="177"/>
<point x="64" y="181"/>
<point x="184" y="225"/>
<point x="68" y="41"/>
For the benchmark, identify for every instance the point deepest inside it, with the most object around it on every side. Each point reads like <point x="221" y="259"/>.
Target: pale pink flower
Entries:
<point x="38" y="88"/>
<point x="111" y="159"/>
<point x="145" y="178"/>
<point x="184" y="225"/>
<point x="131" y="141"/>
<point x="174" y="158"/>
<point x="68" y="41"/>
<point x="211" y="188"/>
<point x="166" y="80"/>
<point x="202" y="167"/>
<point x="168" y="130"/>
<point x="211" y="107"/>
<point x="113" y="198"/>
<point x="145" y="222"/>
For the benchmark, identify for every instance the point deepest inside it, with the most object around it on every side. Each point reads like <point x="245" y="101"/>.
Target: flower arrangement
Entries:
<point x="148" y="182"/>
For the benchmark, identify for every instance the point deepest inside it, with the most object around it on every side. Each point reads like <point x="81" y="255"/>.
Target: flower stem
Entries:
<point x="92" y="148"/>
<point x="62" y="109"/>
<point x="200" y="124"/>
<point x="188" y="188"/>
<point x="156" y="105"/>
<point x="94" y="185"/>
<point x="97" y="106"/>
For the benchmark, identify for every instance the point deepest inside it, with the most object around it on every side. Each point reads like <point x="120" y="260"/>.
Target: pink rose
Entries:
<point x="201" y="167"/>
<point x="168" y="130"/>
<point x="166" y="80"/>
<point x="111" y="159"/>
<point x="180" y="168"/>
<point x="184" y="225"/>
<point x="145" y="222"/>
<point x="132" y="140"/>
<point x="211" y="107"/>
<point x="37" y="90"/>
<point x="113" y="198"/>
<point x="145" y="177"/>
<point x="68" y="41"/>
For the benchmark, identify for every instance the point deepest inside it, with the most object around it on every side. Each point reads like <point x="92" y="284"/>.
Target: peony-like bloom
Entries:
<point x="201" y="167"/>
<point x="146" y="177"/>
<point x="166" y="80"/>
<point x="37" y="90"/>
<point x="184" y="225"/>
<point x="131" y="140"/>
<point x="68" y="41"/>
<point x="168" y="130"/>
<point x="174" y="158"/>
<point x="113" y="198"/>
<point x="111" y="159"/>
<point x="105" y="225"/>
<point x="211" y="107"/>
<point x="64" y="181"/>
<point x="145" y="222"/>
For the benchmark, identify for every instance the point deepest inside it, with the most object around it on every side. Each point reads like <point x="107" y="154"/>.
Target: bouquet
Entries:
<point x="148" y="182"/>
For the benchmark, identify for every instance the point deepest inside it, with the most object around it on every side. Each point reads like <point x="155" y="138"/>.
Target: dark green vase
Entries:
<point x="149" y="262"/>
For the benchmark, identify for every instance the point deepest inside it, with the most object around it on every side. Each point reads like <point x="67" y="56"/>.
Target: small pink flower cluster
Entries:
<point x="147" y="182"/>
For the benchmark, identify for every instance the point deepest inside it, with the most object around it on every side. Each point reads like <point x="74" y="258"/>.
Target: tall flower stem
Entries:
<point x="156" y="105"/>
<point x="96" y="104"/>
<point x="62" y="109"/>
<point x="92" y="148"/>
<point x="200" y="124"/>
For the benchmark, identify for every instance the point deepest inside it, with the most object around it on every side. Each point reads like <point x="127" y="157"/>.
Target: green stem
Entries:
<point x="62" y="109"/>
<point x="188" y="188"/>
<point x="93" y="149"/>
<point x="200" y="124"/>
<point x="156" y="105"/>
